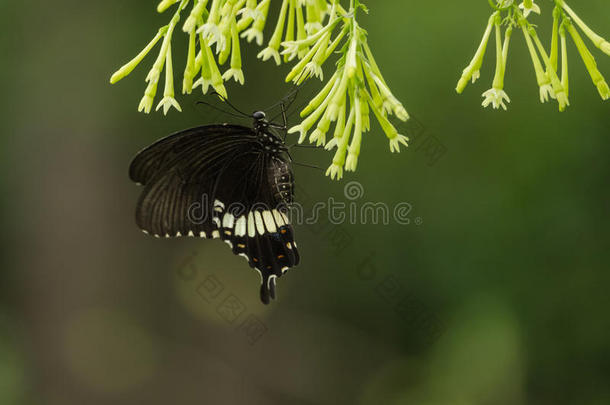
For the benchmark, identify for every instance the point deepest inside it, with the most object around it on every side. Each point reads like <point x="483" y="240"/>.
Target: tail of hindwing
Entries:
<point x="265" y="239"/>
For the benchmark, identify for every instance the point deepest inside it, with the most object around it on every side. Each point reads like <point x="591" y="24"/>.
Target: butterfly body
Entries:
<point x="227" y="182"/>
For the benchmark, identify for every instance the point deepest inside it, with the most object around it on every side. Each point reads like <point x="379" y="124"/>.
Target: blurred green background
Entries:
<point x="498" y="296"/>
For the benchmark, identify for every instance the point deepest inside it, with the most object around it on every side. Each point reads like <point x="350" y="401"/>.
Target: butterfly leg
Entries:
<point x="284" y="125"/>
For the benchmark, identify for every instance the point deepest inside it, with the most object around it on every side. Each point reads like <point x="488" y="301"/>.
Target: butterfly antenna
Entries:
<point x="291" y="96"/>
<point x="219" y="109"/>
<point x="308" y="166"/>
<point x="303" y="164"/>
<point x="224" y="100"/>
<point x="296" y="145"/>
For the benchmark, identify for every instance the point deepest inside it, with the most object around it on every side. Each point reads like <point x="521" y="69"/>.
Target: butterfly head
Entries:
<point x="259" y="117"/>
<point x="260" y="121"/>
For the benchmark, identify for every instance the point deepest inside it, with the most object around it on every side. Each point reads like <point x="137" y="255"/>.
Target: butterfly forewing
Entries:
<point x="221" y="181"/>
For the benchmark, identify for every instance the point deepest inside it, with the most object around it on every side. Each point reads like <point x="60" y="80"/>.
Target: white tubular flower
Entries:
<point x="253" y="34"/>
<point x="312" y="69"/>
<point x="168" y="100"/>
<point x="335" y="172"/>
<point x="546" y="92"/>
<point x="496" y="98"/>
<point x="397" y="141"/>
<point x="318" y="137"/>
<point x="149" y="96"/>
<point x="496" y="95"/>
<point x="236" y="74"/>
<point x="528" y="6"/>
<point x="269" y="53"/>
<point x="256" y="31"/>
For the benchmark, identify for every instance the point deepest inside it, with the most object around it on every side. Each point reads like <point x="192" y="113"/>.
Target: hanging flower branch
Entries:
<point x="507" y="16"/>
<point x="307" y="33"/>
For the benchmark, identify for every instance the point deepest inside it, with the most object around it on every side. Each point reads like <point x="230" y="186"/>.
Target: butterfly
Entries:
<point x="229" y="182"/>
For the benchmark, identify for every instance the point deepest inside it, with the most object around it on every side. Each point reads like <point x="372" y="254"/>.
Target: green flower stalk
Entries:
<point x="597" y="40"/>
<point x="307" y="33"/>
<point x="496" y="95"/>
<point x="565" y="82"/>
<point x="542" y="77"/>
<point x="272" y="50"/>
<point x="558" y="90"/>
<point x="168" y="100"/>
<point x="356" y="88"/>
<point x="507" y="13"/>
<point x="471" y="72"/>
<point x="554" y="41"/>
<point x="589" y="60"/>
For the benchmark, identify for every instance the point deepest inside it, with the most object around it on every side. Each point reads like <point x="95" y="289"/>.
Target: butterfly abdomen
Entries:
<point x="281" y="180"/>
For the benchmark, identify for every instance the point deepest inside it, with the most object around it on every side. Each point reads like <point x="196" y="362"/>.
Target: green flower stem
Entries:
<point x="246" y="18"/>
<point x="560" y="94"/>
<point x="126" y="69"/>
<point x="276" y="38"/>
<point x="216" y="77"/>
<point x="498" y="82"/>
<point x="214" y="16"/>
<point x="189" y="71"/>
<point x="195" y="17"/>
<point x="589" y="60"/>
<point x="373" y="64"/>
<point x="375" y="95"/>
<point x="386" y="125"/>
<point x="319" y="98"/>
<point x="314" y="18"/>
<point x="388" y="100"/>
<point x="165" y="4"/>
<point x="290" y="27"/>
<point x="472" y="70"/>
<point x="301" y="32"/>
<point x="304" y="44"/>
<point x="256" y="32"/>
<point x="297" y="70"/>
<point x="168" y="100"/>
<point x="599" y="41"/>
<point x="339" y="127"/>
<point x="333" y="46"/>
<point x="354" y="149"/>
<point x="338" y="98"/>
<point x="236" y="56"/>
<point x="554" y="37"/>
<point x="541" y="77"/>
<point x="335" y="171"/>
<point x="206" y="70"/>
<point x="316" y="114"/>
<point x="351" y="63"/>
<point x="507" y="36"/>
<point x="565" y="82"/>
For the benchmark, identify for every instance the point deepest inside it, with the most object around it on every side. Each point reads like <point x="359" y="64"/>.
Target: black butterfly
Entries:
<point x="228" y="182"/>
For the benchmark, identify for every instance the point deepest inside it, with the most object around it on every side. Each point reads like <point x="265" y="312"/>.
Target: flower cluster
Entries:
<point x="507" y="16"/>
<point x="356" y="89"/>
<point x="307" y="33"/>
